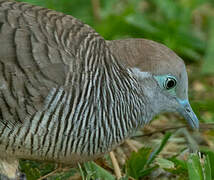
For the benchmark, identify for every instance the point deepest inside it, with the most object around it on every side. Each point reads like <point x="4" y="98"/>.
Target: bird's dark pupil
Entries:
<point x="170" y="83"/>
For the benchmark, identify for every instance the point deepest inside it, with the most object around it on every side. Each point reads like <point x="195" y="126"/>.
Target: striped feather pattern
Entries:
<point x="63" y="96"/>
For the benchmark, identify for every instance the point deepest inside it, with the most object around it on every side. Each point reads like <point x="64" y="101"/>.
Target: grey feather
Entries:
<point x="60" y="85"/>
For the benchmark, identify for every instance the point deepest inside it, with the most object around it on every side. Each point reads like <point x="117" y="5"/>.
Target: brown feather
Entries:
<point x="153" y="57"/>
<point x="147" y="55"/>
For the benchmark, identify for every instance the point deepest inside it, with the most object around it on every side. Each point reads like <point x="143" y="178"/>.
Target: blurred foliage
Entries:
<point x="187" y="27"/>
<point x="208" y="66"/>
<point x="34" y="170"/>
<point x="198" y="170"/>
<point x="139" y="164"/>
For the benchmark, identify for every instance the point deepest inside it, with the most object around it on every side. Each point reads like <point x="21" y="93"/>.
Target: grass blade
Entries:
<point x="207" y="169"/>
<point x="194" y="168"/>
<point x="159" y="149"/>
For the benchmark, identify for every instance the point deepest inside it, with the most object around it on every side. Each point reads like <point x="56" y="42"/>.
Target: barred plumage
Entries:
<point x="67" y="95"/>
<point x="63" y="93"/>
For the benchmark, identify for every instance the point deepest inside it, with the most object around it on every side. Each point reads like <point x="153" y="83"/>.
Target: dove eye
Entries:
<point x="170" y="83"/>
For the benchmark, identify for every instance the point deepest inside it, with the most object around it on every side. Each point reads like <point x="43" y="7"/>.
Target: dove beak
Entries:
<point x="186" y="111"/>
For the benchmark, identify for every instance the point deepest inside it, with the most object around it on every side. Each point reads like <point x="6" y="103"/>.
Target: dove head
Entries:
<point x="161" y="73"/>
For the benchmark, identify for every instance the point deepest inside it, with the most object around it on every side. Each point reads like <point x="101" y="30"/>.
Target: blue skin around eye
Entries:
<point x="161" y="81"/>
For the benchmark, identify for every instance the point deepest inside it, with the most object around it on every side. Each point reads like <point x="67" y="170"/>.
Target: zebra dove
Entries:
<point x="67" y="95"/>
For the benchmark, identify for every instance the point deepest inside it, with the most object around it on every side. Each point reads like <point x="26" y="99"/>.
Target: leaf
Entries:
<point x="137" y="161"/>
<point x="148" y="171"/>
<point x="210" y="155"/>
<point x="159" y="149"/>
<point x="93" y="171"/>
<point x="180" y="167"/>
<point x="178" y="163"/>
<point x="207" y="168"/>
<point x="195" y="171"/>
<point x="165" y="163"/>
<point x="81" y="171"/>
<point x="34" y="170"/>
